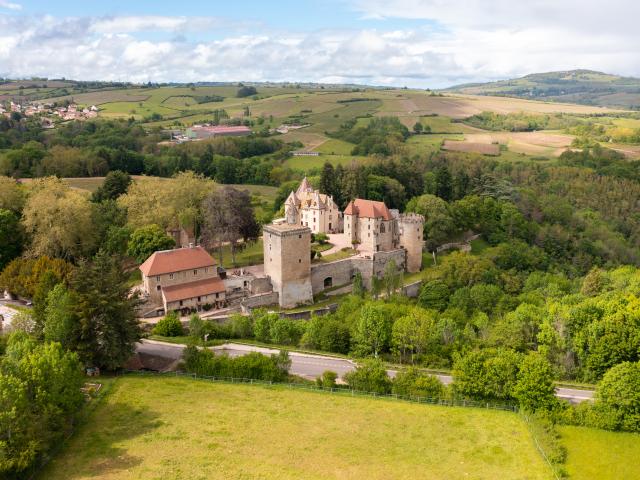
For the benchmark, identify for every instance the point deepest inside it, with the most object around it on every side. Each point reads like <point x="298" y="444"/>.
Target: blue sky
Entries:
<point x="419" y="43"/>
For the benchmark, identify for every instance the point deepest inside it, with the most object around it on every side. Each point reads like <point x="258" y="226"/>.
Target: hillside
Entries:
<point x="180" y="428"/>
<point x="585" y="87"/>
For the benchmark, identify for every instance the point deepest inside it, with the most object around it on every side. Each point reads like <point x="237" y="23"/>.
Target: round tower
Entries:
<point x="410" y="229"/>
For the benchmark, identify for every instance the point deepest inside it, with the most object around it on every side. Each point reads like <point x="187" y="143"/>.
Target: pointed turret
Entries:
<point x="304" y="187"/>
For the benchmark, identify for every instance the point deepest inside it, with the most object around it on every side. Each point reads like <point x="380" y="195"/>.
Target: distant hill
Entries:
<point x="586" y="87"/>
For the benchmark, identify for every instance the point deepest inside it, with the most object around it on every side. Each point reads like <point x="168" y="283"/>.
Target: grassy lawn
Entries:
<point x="251" y="255"/>
<point x="342" y="254"/>
<point x="598" y="454"/>
<point x="177" y="428"/>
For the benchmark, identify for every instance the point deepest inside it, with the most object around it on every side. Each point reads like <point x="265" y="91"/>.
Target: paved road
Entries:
<point x="311" y="366"/>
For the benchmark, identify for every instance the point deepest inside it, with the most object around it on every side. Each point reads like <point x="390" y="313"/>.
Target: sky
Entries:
<point x="414" y="43"/>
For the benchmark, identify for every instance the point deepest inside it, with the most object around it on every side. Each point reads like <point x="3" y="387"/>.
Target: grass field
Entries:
<point x="174" y="428"/>
<point x="252" y="255"/>
<point x="598" y="454"/>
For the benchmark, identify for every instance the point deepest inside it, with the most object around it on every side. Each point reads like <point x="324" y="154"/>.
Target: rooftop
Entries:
<point x="368" y="209"/>
<point x="169" y="261"/>
<point x="223" y="129"/>
<point x="199" y="288"/>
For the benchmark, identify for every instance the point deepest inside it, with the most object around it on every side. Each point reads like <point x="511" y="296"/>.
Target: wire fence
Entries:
<point x="557" y="473"/>
<point x="449" y="402"/>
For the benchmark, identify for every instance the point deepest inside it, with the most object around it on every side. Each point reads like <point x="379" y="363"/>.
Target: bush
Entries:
<point x="246" y="91"/>
<point x="253" y="365"/>
<point x="370" y="376"/>
<point x="169" y="326"/>
<point x="196" y="326"/>
<point x="262" y="324"/>
<point x="618" y="398"/>
<point x="241" y="326"/>
<point x="327" y="379"/>
<point x="549" y="441"/>
<point x="413" y="383"/>
<point x="286" y="332"/>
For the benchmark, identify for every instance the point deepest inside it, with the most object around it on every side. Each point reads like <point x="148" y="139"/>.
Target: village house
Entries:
<point x="184" y="279"/>
<point x="310" y="208"/>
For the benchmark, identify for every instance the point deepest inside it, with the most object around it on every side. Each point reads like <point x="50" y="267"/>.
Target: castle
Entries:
<point x="187" y="279"/>
<point x="379" y="235"/>
<point x="310" y="208"/>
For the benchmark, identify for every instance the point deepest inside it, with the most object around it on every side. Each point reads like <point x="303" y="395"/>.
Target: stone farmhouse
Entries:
<point x="182" y="279"/>
<point x="310" y="208"/>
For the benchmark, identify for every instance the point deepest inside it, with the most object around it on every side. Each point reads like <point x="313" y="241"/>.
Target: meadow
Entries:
<point x="150" y="427"/>
<point x="602" y="455"/>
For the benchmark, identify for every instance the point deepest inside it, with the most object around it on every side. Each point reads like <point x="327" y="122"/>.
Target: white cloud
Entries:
<point x="10" y="5"/>
<point x="127" y="24"/>
<point x="473" y="41"/>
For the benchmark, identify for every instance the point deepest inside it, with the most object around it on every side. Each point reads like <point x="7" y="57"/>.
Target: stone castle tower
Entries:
<point x="410" y="234"/>
<point x="287" y="262"/>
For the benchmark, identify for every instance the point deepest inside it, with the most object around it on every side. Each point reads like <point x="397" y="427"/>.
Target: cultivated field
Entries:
<point x="598" y="454"/>
<point x="153" y="428"/>
<point x="471" y="147"/>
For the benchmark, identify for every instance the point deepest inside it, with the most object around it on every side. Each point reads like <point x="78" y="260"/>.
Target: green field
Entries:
<point x="175" y="428"/>
<point x="598" y="454"/>
<point x="252" y="255"/>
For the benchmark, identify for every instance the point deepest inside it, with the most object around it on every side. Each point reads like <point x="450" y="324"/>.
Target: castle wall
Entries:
<point x="341" y="272"/>
<point x="380" y="260"/>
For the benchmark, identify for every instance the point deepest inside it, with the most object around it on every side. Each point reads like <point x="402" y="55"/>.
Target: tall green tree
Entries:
<point x="534" y="388"/>
<point x="146" y="240"/>
<point x="10" y="237"/>
<point x="373" y="330"/>
<point x="115" y="184"/>
<point x="108" y="327"/>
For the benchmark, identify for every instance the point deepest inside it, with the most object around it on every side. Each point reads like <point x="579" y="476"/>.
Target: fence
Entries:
<point x="335" y="391"/>
<point x="557" y="473"/>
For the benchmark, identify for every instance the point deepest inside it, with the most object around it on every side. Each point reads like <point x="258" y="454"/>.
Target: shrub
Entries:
<point x="618" y="398"/>
<point x="196" y="326"/>
<point x="549" y="441"/>
<point x="413" y="383"/>
<point x="263" y="323"/>
<point x="241" y="326"/>
<point x="253" y="365"/>
<point x="327" y="379"/>
<point x="169" y="326"/>
<point x="286" y="332"/>
<point x="370" y="376"/>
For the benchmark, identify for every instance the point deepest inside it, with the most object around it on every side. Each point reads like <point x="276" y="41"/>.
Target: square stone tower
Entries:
<point x="410" y="230"/>
<point x="287" y="262"/>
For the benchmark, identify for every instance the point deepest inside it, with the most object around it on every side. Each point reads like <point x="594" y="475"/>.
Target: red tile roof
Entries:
<point x="368" y="209"/>
<point x="169" y="261"/>
<point x="199" y="288"/>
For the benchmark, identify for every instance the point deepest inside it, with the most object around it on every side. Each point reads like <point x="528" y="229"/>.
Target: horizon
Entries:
<point x="413" y="43"/>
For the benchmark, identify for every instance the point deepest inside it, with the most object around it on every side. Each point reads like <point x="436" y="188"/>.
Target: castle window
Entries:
<point x="299" y="236"/>
<point x="158" y="287"/>
<point x="171" y="276"/>
<point x="198" y="298"/>
<point x="158" y="278"/>
<point x="382" y="228"/>
<point x="195" y="272"/>
<point x="180" y="302"/>
<point x="299" y="260"/>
